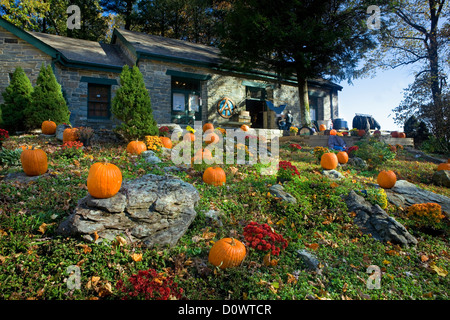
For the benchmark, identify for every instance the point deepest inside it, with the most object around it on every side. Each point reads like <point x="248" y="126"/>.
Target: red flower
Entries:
<point x="261" y="237"/>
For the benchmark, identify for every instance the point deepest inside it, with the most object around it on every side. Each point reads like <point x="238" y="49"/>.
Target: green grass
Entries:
<point x="34" y="261"/>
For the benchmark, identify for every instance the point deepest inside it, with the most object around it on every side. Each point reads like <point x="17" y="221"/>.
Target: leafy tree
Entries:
<point x="132" y="106"/>
<point x="26" y="14"/>
<point x="301" y="39"/>
<point x="47" y="101"/>
<point x="415" y="33"/>
<point x="17" y="97"/>
<point x="124" y="8"/>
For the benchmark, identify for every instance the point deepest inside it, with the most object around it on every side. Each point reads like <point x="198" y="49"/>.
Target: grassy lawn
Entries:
<point x="35" y="263"/>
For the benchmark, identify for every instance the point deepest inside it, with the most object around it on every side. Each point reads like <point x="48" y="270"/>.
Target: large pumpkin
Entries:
<point x="70" y="134"/>
<point x="214" y="176"/>
<point x="136" y="147"/>
<point x="208" y="126"/>
<point x="227" y="253"/>
<point x="104" y="180"/>
<point x="342" y="157"/>
<point x="211" y="137"/>
<point x="443" y="166"/>
<point x="48" y="127"/>
<point x="386" y="179"/>
<point x="394" y="134"/>
<point x="34" y="161"/>
<point x="329" y="161"/>
<point x="166" y="142"/>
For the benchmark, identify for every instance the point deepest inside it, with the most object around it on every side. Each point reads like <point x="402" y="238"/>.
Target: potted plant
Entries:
<point x="85" y="134"/>
<point x="293" y="131"/>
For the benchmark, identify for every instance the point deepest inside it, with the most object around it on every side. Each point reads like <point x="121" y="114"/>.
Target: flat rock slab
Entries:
<point x="405" y="194"/>
<point x="374" y="220"/>
<point x="154" y="210"/>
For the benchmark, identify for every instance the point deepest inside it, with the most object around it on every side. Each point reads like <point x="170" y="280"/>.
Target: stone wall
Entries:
<point x="76" y="94"/>
<point x="23" y="54"/>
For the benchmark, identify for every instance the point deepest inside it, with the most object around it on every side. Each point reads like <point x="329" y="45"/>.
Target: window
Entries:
<point x="186" y="100"/>
<point x="99" y="98"/>
<point x="9" y="40"/>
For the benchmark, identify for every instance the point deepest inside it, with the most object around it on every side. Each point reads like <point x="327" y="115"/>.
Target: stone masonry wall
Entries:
<point x="23" y="54"/>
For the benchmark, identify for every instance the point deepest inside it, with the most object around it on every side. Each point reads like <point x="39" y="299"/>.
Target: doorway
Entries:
<point x="255" y="104"/>
<point x="186" y="105"/>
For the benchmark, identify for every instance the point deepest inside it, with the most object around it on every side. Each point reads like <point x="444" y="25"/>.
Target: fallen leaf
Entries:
<point x="291" y="279"/>
<point x="86" y="248"/>
<point x="392" y="253"/>
<point x="42" y="228"/>
<point x="441" y="272"/>
<point x="105" y="290"/>
<point x="312" y="246"/>
<point x="136" y="257"/>
<point x="423" y="258"/>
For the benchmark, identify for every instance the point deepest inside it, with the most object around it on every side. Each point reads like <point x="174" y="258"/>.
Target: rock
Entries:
<point x="310" y="260"/>
<point x="374" y="220"/>
<point x="21" y="177"/>
<point x="150" y="157"/>
<point x="441" y="178"/>
<point x="214" y="216"/>
<point x="357" y="162"/>
<point x="405" y="194"/>
<point x="277" y="190"/>
<point x="59" y="131"/>
<point x="153" y="210"/>
<point x="333" y="174"/>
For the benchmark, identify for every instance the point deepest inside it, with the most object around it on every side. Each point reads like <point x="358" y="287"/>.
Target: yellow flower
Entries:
<point x="190" y="129"/>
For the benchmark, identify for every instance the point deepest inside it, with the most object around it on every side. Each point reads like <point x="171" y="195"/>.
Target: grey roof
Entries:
<point x="171" y="48"/>
<point x="84" y="51"/>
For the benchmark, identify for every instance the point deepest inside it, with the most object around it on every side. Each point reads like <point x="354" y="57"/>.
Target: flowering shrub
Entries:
<point x="4" y="134"/>
<point x="286" y="171"/>
<point x="351" y="150"/>
<point x="149" y="285"/>
<point x="71" y="149"/>
<point x="374" y="152"/>
<point x="425" y="214"/>
<point x="378" y="196"/>
<point x="153" y="143"/>
<point x="190" y="129"/>
<point x="262" y="237"/>
<point x="319" y="151"/>
<point x="164" y="131"/>
<point x="295" y="146"/>
<point x="293" y="129"/>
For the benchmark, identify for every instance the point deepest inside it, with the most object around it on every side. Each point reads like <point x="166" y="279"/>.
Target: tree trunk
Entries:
<point x="304" y="101"/>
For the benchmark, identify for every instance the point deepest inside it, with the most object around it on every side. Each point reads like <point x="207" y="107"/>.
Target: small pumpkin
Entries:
<point x="443" y="166"/>
<point x="202" y="154"/>
<point x="166" y="142"/>
<point x="386" y="179"/>
<point x="34" y="161"/>
<point x="48" y="127"/>
<point x="189" y="136"/>
<point x="104" y="180"/>
<point x="402" y="135"/>
<point x="394" y="134"/>
<point x="333" y="132"/>
<point x="329" y="161"/>
<point x="211" y="137"/>
<point x="322" y="127"/>
<point x="214" y="176"/>
<point x="70" y="134"/>
<point x="208" y="126"/>
<point x="342" y="157"/>
<point x="136" y="147"/>
<point x="227" y="253"/>
<point x="245" y="127"/>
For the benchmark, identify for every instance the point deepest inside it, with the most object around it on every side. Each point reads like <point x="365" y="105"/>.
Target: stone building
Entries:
<point x="185" y="81"/>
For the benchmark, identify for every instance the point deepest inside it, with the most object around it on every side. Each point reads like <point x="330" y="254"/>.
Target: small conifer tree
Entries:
<point x="47" y="101"/>
<point x="17" y="96"/>
<point x="133" y="107"/>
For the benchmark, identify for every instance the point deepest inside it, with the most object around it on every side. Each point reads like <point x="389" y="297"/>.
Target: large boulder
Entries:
<point x="153" y="210"/>
<point x="405" y="194"/>
<point x="441" y="178"/>
<point x="374" y="220"/>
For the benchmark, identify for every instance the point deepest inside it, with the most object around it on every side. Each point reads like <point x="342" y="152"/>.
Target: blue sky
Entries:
<point x="375" y="96"/>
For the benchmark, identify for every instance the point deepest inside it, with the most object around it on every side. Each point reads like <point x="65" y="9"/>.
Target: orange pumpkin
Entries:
<point x="402" y="135"/>
<point x="189" y="136"/>
<point x="48" y="127"/>
<point x="214" y="176"/>
<point x="34" y="161"/>
<point x="104" y="180"/>
<point x="329" y="161"/>
<point x="202" y="154"/>
<point x="443" y="166"/>
<point x="394" y="134"/>
<point x="208" y="126"/>
<point x="322" y="127"/>
<point x="245" y="127"/>
<point x="70" y="134"/>
<point x="227" y="253"/>
<point x="136" y="147"/>
<point x="342" y="157"/>
<point x="386" y="179"/>
<point x="166" y="142"/>
<point x="211" y="137"/>
<point x="333" y="132"/>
